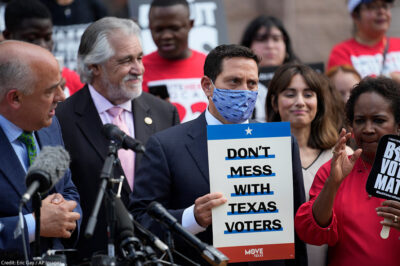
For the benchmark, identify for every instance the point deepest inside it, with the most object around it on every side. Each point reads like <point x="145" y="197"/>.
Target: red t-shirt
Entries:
<point x="354" y="233"/>
<point x="182" y="79"/>
<point x="72" y="81"/>
<point x="367" y="60"/>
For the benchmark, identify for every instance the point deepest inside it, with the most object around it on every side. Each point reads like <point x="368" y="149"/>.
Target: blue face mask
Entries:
<point x="236" y="106"/>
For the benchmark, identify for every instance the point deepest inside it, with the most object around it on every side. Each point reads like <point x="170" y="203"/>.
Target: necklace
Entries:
<point x="365" y="167"/>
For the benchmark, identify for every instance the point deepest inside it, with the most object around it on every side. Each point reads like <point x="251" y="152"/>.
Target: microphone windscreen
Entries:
<point x="158" y="212"/>
<point x="124" y="226"/>
<point x="112" y="132"/>
<point x="153" y="209"/>
<point x="52" y="161"/>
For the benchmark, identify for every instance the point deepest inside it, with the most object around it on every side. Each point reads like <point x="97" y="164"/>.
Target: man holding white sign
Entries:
<point x="174" y="170"/>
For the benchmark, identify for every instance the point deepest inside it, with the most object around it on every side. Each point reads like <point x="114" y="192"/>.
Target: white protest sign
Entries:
<point x="187" y="96"/>
<point x="251" y="165"/>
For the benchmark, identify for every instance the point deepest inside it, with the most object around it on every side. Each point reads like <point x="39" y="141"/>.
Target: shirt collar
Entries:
<point x="10" y="130"/>
<point x="103" y="104"/>
<point x="211" y="120"/>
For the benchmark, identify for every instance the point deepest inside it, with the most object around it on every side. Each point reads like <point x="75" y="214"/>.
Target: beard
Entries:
<point x="122" y="92"/>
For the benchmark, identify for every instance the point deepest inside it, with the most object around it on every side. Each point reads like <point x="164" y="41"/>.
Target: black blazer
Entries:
<point x="174" y="172"/>
<point x="82" y="133"/>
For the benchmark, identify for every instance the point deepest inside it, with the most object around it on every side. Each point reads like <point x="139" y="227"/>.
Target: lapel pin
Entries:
<point x="148" y="120"/>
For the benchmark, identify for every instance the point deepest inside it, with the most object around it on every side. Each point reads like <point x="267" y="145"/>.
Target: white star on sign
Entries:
<point x="248" y="131"/>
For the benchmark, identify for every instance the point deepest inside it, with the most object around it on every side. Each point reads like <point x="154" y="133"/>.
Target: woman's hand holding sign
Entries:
<point x="390" y="210"/>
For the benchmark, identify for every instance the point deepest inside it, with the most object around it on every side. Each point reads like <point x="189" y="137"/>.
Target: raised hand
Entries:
<point x="341" y="164"/>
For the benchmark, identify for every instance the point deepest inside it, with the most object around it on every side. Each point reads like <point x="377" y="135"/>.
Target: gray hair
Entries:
<point x="15" y="75"/>
<point x="95" y="47"/>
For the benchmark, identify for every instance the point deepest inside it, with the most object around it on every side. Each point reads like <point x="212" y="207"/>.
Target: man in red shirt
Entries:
<point x="174" y="67"/>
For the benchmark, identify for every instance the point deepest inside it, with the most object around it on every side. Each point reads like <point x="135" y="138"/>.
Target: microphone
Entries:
<point x="47" y="169"/>
<point x="208" y="252"/>
<point x="124" y="230"/>
<point x="112" y="132"/>
<point x="130" y="245"/>
<point x="147" y="236"/>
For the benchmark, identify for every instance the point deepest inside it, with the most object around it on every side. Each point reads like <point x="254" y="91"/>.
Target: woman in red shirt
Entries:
<point x="340" y="212"/>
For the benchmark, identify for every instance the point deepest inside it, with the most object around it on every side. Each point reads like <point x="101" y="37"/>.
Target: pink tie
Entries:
<point x="127" y="157"/>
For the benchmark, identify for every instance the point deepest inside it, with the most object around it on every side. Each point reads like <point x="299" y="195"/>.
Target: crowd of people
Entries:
<point x="166" y="100"/>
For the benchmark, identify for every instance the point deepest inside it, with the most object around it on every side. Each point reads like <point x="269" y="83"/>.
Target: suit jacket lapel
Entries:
<point x="141" y="111"/>
<point x="11" y="167"/>
<point x="143" y="130"/>
<point x="90" y="123"/>
<point x="91" y="126"/>
<point x="197" y="145"/>
<point x="42" y="136"/>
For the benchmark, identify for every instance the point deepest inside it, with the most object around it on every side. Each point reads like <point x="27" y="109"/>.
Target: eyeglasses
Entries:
<point x="266" y="37"/>
<point x="375" y="6"/>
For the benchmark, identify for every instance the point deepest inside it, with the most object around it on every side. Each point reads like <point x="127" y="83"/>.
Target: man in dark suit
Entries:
<point x="174" y="170"/>
<point x="110" y="62"/>
<point x="30" y="88"/>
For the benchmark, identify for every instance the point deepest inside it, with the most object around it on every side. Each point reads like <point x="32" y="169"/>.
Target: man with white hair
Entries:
<point x="110" y="63"/>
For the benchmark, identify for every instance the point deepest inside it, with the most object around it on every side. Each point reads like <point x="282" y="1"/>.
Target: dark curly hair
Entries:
<point x="386" y="87"/>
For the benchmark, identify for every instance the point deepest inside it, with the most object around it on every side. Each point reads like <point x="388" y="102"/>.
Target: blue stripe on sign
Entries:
<point x="271" y="156"/>
<point x="252" y="194"/>
<point x="248" y="131"/>
<point x="237" y="213"/>
<point x="250" y="176"/>
<point x="251" y="231"/>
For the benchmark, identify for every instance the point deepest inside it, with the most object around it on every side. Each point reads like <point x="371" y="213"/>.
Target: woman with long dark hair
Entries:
<point x="303" y="97"/>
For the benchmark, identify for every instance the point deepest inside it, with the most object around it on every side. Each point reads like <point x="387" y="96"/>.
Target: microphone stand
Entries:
<point x="111" y="222"/>
<point x="106" y="177"/>
<point x="134" y="254"/>
<point x="37" y="204"/>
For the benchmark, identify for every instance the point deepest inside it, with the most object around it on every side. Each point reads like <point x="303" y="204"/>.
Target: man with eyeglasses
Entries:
<point x="370" y="51"/>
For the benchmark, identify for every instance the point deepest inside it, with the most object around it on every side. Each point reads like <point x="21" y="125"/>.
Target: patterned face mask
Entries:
<point x="236" y="106"/>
